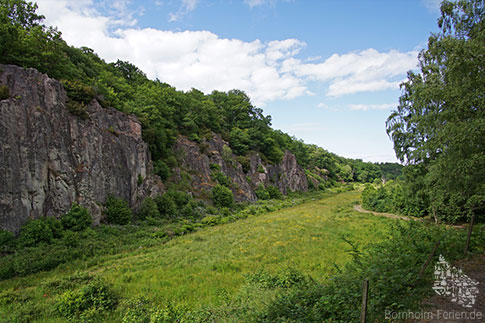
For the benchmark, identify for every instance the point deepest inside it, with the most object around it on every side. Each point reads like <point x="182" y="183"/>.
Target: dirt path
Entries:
<point x="359" y="208"/>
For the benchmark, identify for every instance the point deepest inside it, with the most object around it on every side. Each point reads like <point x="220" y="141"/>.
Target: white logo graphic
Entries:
<point x="451" y="281"/>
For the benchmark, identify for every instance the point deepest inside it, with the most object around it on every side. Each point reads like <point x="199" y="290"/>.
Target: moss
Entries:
<point x="4" y="92"/>
<point x="112" y="131"/>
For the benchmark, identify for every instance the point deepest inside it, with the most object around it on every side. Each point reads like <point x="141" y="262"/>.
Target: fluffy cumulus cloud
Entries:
<point x="201" y="59"/>
<point x="364" y="71"/>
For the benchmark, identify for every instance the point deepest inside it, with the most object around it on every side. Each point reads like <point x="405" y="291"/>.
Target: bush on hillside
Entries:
<point x="148" y="209"/>
<point x="77" y="219"/>
<point x="91" y="299"/>
<point x="117" y="211"/>
<point x="222" y="196"/>
<point x="166" y="205"/>
<point x="34" y="232"/>
<point x="262" y="193"/>
<point x="274" y="192"/>
<point x="6" y="237"/>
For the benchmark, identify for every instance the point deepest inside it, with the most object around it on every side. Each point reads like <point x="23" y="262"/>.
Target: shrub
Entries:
<point x="117" y="211"/>
<point x="77" y="109"/>
<point x="161" y="169"/>
<point x="4" y="92"/>
<point x="147" y="209"/>
<point x="78" y="91"/>
<point x="210" y="220"/>
<point x="77" y="219"/>
<point x="215" y="167"/>
<point x="245" y="163"/>
<point x="180" y="198"/>
<point x="262" y="193"/>
<point x="221" y="179"/>
<point x="55" y="226"/>
<point x="222" y="196"/>
<point x="71" y="238"/>
<point x="96" y="296"/>
<point x="274" y="192"/>
<point x="187" y="210"/>
<point x="35" y="231"/>
<point x="166" y="206"/>
<point x="6" y="238"/>
<point x="226" y="153"/>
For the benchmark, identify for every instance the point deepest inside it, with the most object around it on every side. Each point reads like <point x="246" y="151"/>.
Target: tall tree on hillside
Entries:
<point x="438" y="128"/>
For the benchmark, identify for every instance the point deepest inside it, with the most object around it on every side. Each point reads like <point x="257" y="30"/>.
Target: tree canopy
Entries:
<point x="438" y="129"/>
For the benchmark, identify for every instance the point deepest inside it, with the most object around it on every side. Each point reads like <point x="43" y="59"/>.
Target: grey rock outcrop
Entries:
<point x="50" y="158"/>
<point x="196" y="160"/>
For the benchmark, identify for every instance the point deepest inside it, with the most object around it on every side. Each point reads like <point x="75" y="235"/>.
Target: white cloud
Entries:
<point x="186" y="7"/>
<point x="432" y="5"/>
<point x="322" y="105"/>
<point x="201" y="59"/>
<point x="366" y="107"/>
<point x="364" y="71"/>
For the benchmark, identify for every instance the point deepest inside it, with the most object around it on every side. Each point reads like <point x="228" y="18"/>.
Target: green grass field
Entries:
<point x="195" y="269"/>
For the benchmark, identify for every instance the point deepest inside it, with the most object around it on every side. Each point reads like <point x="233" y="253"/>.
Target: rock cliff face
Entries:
<point x="196" y="161"/>
<point x="50" y="158"/>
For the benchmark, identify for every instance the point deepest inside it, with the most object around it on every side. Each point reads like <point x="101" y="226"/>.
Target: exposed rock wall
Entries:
<point x="50" y="158"/>
<point x="196" y="159"/>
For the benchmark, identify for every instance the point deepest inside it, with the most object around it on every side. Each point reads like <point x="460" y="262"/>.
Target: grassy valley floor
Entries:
<point x="196" y="269"/>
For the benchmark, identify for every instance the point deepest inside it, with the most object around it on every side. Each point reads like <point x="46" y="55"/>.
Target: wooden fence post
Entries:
<point x="425" y="265"/>
<point x="363" y="313"/>
<point x="470" y="229"/>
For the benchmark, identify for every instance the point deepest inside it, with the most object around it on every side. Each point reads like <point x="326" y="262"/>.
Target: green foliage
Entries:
<point x="166" y="206"/>
<point x="180" y="198"/>
<point x="161" y="169"/>
<point x="438" y="127"/>
<point x="26" y="42"/>
<point x="95" y="297"/>
<point x="34" y="232"/>
<point x="239" y="140"/>
<point x="78" y="91"/>
<point x="71" y="238"/>
<point x="148" y="209"/>
<point x="222" y="196"/>
<point x="4" y="92"/>
<point x="274" y="192"/>
<point x="245" y="163"/>
<point x="6" y="237"/>
<point x="262" y="193"/>
<point x="78" y="108"/>
<point x="77" y="219"/>
<point x="215" y="167"/>
<point x="227" y="153"/>
<point x="222" y="179"/>
<point x="382" y="199"/>
<point x="117" y="211"/>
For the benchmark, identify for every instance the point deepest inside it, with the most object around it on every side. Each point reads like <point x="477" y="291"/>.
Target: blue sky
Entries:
<point x="326" y="71"/>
